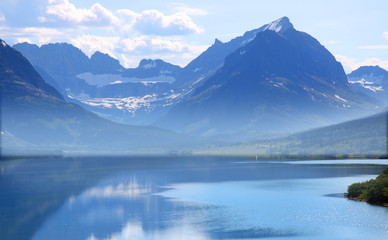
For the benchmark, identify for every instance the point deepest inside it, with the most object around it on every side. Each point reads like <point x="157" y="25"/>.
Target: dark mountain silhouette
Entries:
<point x="282" y="80"/>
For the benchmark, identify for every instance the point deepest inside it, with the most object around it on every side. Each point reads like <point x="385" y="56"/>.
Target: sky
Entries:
<point x="354" y="31"/>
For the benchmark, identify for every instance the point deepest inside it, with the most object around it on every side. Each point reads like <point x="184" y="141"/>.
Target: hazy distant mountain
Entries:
<point x="149" y="68"/>
<point x="281" y="80"/>
<point x="102" y="85"/>
<point x="136" y="95"/>
<point x="371" y="80"/>
<point x="360" y="137"/>
<point x="60" y="60"/>
<point x="300" y="71"/>
<point x="35" y="115"/>
<point x="101" y="63"/>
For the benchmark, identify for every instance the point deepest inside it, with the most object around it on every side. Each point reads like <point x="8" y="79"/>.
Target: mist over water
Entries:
<point x="186" y="198"/>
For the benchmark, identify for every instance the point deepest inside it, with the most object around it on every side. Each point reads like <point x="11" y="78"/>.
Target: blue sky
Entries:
<point x="355" y="31"/>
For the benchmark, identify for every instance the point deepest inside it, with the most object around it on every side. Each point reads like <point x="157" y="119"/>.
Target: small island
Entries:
<point x="374" y="191"/>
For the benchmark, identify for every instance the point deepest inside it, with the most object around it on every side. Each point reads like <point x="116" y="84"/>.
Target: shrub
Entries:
<point x="372" y="191"/>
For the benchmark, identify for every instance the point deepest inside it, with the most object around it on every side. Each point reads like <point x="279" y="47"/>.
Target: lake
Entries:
<point x="117" y="198"/>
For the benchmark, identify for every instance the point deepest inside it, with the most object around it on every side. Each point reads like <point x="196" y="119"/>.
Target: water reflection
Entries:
<point x="176" y="198"/>
<point x="135" y="231"/>
<point x="130" y="190"/>
<point x="123" y="207"/>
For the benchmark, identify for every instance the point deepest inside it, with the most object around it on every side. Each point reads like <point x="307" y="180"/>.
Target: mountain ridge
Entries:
<point x="359" y="138"/>
<point x="263" y="86"/>
<point x="35" y="113"/>
<point x="145" y="94"/>
<point x="134" y="105"/>
<point x="372" y="81"/>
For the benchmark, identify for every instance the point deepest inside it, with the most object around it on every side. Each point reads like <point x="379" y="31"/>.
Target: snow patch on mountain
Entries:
<point x="130" y="104"/>
<point x="148" y="83"/>
<point x="134" y="104"/>
<point x="101" y="80"/>
<point x="152" y="64"/>
<point x="372" y="84"/>
<point x="81" y="96"/>
<point x="340" y="98"/>
<point x="361" y="81"/>
<point x="116" y="82"/>
<point x="248" y="40"/>
<point x="280" y="25"/>
<point x="198" y="80"/>
<point x="374" y="89"/>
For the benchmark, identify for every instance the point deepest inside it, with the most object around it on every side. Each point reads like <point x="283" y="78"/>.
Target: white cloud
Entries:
<point x="176" y="52"/>
<point x="22" y="40"/>
<point x="128" y="62"/>
<point x="2" y="17"/>
<point x="42" y="34"/>
<point x="89" y="44"/>
<point x="374" y="47"/>
<point x="154" y="22"/>
<point x="147" y="22"/>
<point x="377" y="47"/>
<point x="129" y="51"/>
<point x="332" y="42"/>
<point x="161" y="44"/>
<point x="42" y="19"/>
<point x="129" y="45"/>
<point x="385" y="35"/>
<point x="351" y="64"/>
<point x="124" y="34"/>
<point x="190" y="11"/>
<point x="66" y="11"/>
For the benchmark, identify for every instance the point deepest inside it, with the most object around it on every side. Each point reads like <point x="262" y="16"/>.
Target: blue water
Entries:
<point x="198" y="198"/>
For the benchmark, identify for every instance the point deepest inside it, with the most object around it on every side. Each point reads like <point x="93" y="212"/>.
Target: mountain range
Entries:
<point x="167" y="95"/>
<point x="34" y="115"/>
<point x="100" y="84"/>
<point x="135" y="95"/>
<point x="282" y="80"/>
<point x="272" y="80"/>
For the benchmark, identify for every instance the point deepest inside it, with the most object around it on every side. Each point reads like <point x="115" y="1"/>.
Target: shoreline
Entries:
<point x="363" y="200"/>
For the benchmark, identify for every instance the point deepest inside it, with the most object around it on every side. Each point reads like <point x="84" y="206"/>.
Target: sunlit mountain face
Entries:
<point x="281" y="80"/>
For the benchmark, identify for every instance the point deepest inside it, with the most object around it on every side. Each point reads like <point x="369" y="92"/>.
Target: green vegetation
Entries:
<point x="374" y="191"/>
<point x="361" y="138"/>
